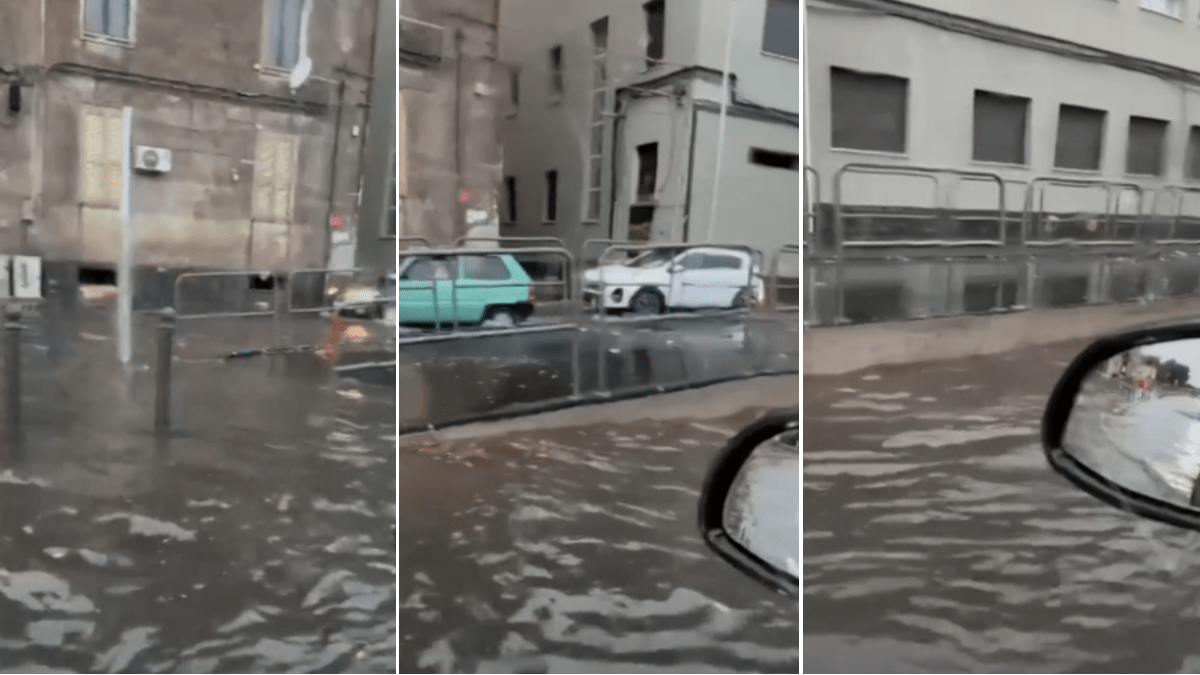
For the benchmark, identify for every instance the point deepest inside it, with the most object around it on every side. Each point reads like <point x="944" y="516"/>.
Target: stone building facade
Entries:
<point x="258" y="167"/>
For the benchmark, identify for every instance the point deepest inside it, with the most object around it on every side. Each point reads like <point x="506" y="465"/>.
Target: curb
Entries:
<point x="594" y="398"/>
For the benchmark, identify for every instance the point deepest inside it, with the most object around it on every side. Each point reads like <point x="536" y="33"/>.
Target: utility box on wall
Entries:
<point x="20" y="277"/>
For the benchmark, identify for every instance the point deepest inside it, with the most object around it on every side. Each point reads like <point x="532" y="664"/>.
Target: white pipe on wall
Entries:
<point x="709" y="227"/>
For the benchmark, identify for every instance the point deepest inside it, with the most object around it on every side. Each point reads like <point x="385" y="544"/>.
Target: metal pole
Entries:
<point x="125" y="270"/>
<point x="712" y="209"/>
<point x="162" y="375"/>
<point x="12" y="377"/>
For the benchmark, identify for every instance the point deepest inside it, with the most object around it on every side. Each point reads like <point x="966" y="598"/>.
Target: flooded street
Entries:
<point x="938" y="540"/>
<point x="259" y="539"/>
<point x="574" y="547"/>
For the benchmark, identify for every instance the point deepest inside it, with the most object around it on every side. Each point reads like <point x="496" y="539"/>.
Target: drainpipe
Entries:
<point x="712" y="209"/>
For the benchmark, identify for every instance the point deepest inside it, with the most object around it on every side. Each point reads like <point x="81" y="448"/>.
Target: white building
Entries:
<point x="615" y="121"/>
<point x="1078" y="90"/>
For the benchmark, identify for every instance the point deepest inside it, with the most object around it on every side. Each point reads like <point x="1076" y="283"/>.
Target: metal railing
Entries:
<point x="1037" y="222"/>
<point x="774" y="284"/>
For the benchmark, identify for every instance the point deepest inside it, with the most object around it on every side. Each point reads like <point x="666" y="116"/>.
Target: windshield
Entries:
<point x="653" y="258"/>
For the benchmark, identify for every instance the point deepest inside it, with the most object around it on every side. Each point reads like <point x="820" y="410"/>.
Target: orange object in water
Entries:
<point x="1143" y="384"/>
<point x="336" y="330"/>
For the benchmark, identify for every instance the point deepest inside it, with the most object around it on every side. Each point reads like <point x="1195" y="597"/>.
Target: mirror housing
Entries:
<point x="723" y="477"/>
<point x="1119" y="424"/>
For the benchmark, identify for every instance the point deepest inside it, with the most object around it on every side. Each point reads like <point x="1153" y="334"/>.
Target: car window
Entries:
<point x="692" y="261"/>
<point x="719" y="261"/>
<point x="484" y="268"/>
<point x="428" y="269"/>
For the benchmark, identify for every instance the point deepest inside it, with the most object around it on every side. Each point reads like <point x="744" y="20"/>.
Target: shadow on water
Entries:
<point x="260" y="538"/>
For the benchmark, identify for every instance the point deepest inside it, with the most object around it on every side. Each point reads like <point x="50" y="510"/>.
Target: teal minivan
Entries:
<point x="463" y="289"/>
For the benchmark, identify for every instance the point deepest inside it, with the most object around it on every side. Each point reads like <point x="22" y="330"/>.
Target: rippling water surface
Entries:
<point x="260" y="540"/>
<point x="938" y="540"/>
<point x="576" y="550"/>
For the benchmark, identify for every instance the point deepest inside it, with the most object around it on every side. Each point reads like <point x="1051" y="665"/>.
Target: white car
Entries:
<point x="676" y="278"/>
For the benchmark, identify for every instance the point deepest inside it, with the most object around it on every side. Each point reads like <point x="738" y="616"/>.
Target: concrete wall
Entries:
<point x="944" y="68"/>
<point x="551" y="133"/>
<point x="450" y="108"/>
<point x="193" y="74"/>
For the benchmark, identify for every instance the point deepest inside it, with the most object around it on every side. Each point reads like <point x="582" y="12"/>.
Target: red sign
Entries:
<point x="336" y="221"/>
<point x="464" y="196"/>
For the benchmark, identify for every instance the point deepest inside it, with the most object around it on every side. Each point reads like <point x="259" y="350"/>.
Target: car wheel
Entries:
<point x="502" y="317"/>
<point x="646" y="301"/>
<point x="742" y="299"/>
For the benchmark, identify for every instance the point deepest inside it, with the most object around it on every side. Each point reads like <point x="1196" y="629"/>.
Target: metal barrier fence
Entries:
<point x="773" y="301"/>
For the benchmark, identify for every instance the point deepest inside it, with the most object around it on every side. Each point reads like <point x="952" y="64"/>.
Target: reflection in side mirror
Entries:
<point x="1124" y="423"/>
<point x="750" y="505"/>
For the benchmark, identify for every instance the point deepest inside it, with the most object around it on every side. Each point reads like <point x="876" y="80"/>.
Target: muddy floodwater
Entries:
<point x="576" y="549"/>
<point x="936" y="538"/>
<point x="261" y="538"/>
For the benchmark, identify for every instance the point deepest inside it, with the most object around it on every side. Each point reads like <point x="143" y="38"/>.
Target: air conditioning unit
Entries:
<point x="151" y="160"/>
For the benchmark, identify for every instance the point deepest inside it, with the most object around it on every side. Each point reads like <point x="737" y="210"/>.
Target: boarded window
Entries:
<point x="283" y="33"/>
<point x="1144" y="151"/>
<point x="1080" y="139"/>
<point x="551" y="209"/>
<point x="108" y="18"/>
<point x="656" y="18"/>
<point x="274" y="177"/>
<point x="1000" y="128"/>
<point x="869" y="111"/>
<point x="647" y="181"/>
<point x="100" y="157"/>
<point x="781" y="30"/>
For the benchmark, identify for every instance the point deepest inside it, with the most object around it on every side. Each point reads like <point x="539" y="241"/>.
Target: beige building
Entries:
<point x="235" y="168"/>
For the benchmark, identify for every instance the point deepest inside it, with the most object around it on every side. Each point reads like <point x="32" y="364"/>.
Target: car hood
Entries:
<point x="623" y="275"/>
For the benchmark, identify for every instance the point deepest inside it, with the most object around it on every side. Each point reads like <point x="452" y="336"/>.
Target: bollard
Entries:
<point x="162" y="379"/>
<point x="12" y="378"/>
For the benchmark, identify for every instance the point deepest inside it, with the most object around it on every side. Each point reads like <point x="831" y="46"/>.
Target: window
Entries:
<point x="551" y="211"/>
<point x="108" y="18"/>
<point x="781" y="30"/>
<point x="510" y="198"/>
<point x="1171" y="8"/>
<point x="1144" y="151"/>
<point x="641" y="217"/>
<point x="775" y="160"/>
<point x="484" y="268"/>
<point x="655" y="11"/>
<point x="1000" y="128"/>
<point x="647" y="175"/>
<point x="556" y="72"/>
<point x="283" y="33"/>
<point x="1192" y="169"/>
<point x="274" y="177"/>
<point x="870" y="112"/>
<point x="1080" y="139"/>
<point x="692" y="261"/>
<point x="429" y="269"/>
<point x="100" y="157"/>
<point x="717" y="261"/>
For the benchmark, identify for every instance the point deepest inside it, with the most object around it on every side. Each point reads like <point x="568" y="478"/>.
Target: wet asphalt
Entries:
<point x="259" y="538"/>
<point x="936" y="538"/>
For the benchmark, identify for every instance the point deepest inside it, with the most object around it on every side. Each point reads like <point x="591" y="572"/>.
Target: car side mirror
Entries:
<point x="676" y="267"/>
<point x="750" y="504"/>
<point x="1123" y="423"/>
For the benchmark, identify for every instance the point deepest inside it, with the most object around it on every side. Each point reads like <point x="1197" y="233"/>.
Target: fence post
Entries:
<point x="162" y="379"/>
<point x="12" y="377"/>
